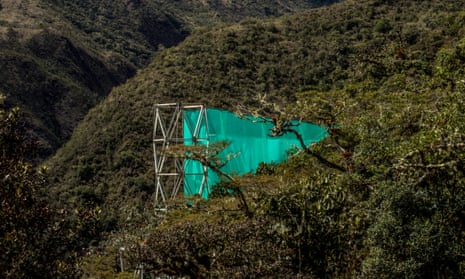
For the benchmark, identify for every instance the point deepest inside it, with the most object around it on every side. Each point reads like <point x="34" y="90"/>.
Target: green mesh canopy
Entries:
<point x="249" y="141"/>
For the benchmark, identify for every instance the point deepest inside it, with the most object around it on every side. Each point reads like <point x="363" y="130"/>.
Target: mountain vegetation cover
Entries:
<point x="382" y="197"/>
<point x="37" y="239"/>
<point x="70" y="54"/>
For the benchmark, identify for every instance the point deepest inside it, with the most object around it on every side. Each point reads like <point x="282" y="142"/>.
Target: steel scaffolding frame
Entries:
<point x="168" y="127"/>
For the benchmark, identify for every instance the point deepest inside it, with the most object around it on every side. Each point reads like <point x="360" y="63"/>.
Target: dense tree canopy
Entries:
<point x="36" y="240"/>
<point x="381" y="197"/>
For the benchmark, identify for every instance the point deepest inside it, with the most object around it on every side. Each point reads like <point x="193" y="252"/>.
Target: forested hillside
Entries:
<point x="60" y="58"/>
<point x="382" y="197"/>
<point x="351" y="45"/>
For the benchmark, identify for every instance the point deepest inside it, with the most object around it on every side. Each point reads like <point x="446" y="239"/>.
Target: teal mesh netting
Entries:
<point x="249" y="140"/>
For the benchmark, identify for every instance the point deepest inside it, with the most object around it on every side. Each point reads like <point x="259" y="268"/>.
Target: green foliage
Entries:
<point x="266" y="169"/>
<point x="36" y="240"/>
<point x="240" y="66"/>
<point x="307" y="216"/>
<point x="71" y="53"/>
<point x="418" y="228"/>
<point x="392" y="100"/>
<point x="200" y="248"/>
<point x="382" y="26"/>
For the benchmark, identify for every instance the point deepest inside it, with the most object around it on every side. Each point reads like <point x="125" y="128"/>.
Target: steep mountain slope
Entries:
<point x="60" y="58"/>
<point x="49" y="73"/>
<point x="354" y="46"/>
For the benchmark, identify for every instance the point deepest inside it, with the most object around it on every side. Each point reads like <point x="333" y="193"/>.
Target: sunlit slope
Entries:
<point x="244" y="67"/>
<point x="60" y="58"/>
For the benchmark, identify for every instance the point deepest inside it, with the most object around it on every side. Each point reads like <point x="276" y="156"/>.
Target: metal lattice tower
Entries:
<point x="168" y="130"/>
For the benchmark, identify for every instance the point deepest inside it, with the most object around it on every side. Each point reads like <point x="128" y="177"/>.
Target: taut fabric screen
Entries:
<point x="249" y="139"/>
